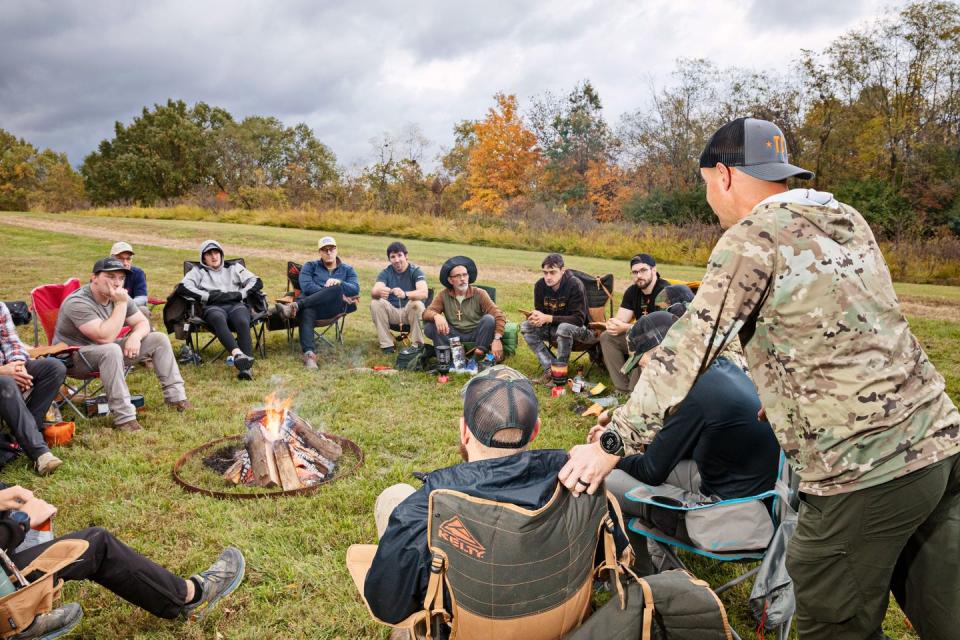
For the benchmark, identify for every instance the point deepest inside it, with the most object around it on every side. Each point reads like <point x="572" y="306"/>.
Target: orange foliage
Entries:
<point x="607" y="189"/>
<point x="503" y="160"/>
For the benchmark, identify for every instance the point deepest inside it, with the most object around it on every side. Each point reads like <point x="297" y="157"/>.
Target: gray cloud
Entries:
<point x="69" y="70"/>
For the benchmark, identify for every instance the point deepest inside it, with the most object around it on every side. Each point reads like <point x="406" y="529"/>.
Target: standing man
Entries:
<point x="638" y="300"/>
<point x="136" y="282"/>
<point x="329" y="287"/>
<point x="398" y="298"/>
<point x="853" y="398"/>
<point x="464" y="311"/>
<point x="91" y="318"/>
<point x="19" y="375"/>
<point x="560" y="313"/>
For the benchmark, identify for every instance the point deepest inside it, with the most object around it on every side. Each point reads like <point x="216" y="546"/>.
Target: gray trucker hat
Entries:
<point x="756" y="147"/>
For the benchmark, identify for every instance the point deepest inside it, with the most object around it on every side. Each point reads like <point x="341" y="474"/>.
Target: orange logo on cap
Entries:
<point x="454" y="532"/>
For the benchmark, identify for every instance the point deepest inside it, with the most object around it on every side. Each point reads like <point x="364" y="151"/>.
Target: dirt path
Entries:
<point x="931" y="308"/>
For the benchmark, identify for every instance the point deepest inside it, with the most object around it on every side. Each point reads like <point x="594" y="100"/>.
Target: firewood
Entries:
<point x="327" y="448"/>
<point x="232" y="474"/>
<point x="262" y="462"/>
<point x="285" y="467"/>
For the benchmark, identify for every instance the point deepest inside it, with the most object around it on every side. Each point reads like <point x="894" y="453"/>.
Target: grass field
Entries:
<point x="296" y="585"/>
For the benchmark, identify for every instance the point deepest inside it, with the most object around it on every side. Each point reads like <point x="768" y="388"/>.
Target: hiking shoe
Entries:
<point x="130" y="426"/>
<point x="179" y="405"/>
<point x="288" y="311"/>
<point x="53" y="624"/>
<point x="218" y="581"/>
<point x="47" y="464"/>
<point x="310" y="360"/>
<point x="242" y="362"/>
<point x="244" y="375"/>
<point x="387" y="350"/>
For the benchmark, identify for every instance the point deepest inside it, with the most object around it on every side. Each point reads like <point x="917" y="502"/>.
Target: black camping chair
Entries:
<point x="599" y="290"/>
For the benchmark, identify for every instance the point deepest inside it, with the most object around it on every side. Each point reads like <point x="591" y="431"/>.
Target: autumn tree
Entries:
<point x="32" y="180"/>
<point x="503" y="158"/>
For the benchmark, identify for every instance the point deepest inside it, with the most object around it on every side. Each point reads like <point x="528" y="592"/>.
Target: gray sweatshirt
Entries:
<point x="202" y="280"/>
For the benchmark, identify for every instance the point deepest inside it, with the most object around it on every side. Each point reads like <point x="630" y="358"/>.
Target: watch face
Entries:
<point x="611" y="442"/>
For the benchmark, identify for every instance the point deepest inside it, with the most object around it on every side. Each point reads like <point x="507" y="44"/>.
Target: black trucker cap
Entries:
<point x="756" y="147"/>
<point x="497" y="399"/>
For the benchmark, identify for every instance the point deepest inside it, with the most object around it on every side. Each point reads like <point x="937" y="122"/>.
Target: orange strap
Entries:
<point x="648" y="608"/>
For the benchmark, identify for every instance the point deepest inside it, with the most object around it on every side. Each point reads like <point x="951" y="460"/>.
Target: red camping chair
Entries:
<point x="46" y="300"/>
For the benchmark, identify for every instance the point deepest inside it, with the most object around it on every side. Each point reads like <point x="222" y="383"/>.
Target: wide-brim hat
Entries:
<point x="458" y="261"/>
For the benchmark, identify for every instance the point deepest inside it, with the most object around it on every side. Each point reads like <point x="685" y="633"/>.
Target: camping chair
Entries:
<point x="46" y="301"/>
<point x="729" y="531"/>
<point x="600" y="308"/>
<point x="323" y="325"/>
<point x="501" y="571"/>
<point x="195" y="325"/>
<point x="402" y="330"/>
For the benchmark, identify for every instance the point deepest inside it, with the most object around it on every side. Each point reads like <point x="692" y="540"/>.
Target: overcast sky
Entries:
<point x="354" y="70"/>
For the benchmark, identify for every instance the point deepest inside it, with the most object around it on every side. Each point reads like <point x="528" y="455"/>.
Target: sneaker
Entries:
<point x="53" y="624"/>
<point x="47" y="464"/>
<point x="242" y="362"/>
<point x="179" y="405"/>
<point x="387" y="350"/>
<point x="288" y="311"/>
<point x="218" y="581"/>
<point x="244" y="375"/>
<point x="130" y="426"/>
<point x="310" y="360"/>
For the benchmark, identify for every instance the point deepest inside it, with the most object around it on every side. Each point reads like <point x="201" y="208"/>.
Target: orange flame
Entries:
<point x="275" y="414"/>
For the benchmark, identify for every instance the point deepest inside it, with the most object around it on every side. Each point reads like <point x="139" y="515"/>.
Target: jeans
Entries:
<point x="224" y="319"/>
<point x="25" y="416"/>
<point x="539" y="339"/>
<point x="320" y="305"/>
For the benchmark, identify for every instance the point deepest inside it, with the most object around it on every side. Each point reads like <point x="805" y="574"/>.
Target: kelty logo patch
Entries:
<point x="454" y="532"/>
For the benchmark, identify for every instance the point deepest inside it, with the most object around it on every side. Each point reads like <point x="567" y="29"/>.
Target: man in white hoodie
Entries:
<point x="855" y="402"/>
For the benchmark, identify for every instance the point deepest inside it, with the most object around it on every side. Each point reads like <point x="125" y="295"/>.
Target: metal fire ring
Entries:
<point x="224" y="495"/>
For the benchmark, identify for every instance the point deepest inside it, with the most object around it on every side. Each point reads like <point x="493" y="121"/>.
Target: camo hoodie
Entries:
<point x="853" y="398"/>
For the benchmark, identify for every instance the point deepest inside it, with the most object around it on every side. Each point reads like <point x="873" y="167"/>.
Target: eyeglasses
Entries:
<point x="459" y="275"/>
<point x="637" y="272"/>
<point x="327" y="249"/>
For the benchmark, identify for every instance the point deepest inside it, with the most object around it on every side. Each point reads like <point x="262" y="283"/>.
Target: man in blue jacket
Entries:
<point x="500" y="418"/>
<point x="136" y="282"/>
<point x="329" y="287"/>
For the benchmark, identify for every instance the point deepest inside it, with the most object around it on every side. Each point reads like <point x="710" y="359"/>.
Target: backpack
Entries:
<point x="19" y="312"/>
<point x="415" y="358"/>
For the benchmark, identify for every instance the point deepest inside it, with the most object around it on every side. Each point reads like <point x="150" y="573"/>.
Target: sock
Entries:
<point x="197" y="591"/>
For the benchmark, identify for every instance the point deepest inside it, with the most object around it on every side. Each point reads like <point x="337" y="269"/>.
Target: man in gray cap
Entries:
<point x="136" y="282"/>
<point x="92" y="317"/>
<point x="856" y="404"/>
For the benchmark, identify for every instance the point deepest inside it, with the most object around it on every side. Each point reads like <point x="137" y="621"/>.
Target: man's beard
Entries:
<point x="461" y="288"/>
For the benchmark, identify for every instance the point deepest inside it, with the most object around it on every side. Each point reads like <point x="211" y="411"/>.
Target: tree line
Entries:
<point x="876" y="115"/>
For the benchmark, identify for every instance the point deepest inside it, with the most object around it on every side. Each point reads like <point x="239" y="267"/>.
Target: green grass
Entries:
<point x="296" y="585"/>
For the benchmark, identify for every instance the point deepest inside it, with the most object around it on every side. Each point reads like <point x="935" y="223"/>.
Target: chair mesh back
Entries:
<point x="597" y="296"/>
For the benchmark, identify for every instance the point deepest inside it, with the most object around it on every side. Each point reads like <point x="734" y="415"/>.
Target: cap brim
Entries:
<point x="775" y="171"/>
<point x="631" y="362"/>
<point x="126" y="271"/>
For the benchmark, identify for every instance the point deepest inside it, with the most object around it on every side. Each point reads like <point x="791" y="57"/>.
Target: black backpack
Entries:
<point x="415" y="358"/>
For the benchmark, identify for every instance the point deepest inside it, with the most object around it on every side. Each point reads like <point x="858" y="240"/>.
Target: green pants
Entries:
<point x="851" y="550"/>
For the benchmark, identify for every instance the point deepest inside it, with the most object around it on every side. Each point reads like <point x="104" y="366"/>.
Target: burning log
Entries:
<point x="282" y="449"/>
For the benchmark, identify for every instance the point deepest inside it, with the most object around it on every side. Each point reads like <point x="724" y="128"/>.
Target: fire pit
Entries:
<point x="280" y="454"/>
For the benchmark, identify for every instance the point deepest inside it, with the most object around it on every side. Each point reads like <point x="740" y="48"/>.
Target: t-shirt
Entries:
<point x="407" y="281"/>
<point x="79" y="308"/>
<point x="639" y="302"/>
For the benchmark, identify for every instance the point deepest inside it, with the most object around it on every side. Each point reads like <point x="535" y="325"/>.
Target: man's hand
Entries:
<point x="496" y="348"/>
<point x="39" y="511"/>
<point x="131" y="347"/>
<point x="616" y="328"/>
<point x="400" y="293"/>
<point x="18" y="371"/>
<point x="119" y="296"/>
<point x="443" y="327"/>
<point x="331" y="282"/>
<point x="538" y="319"/>
<point x="762" y="415"/>
<point x="14" y="498"/>
<point x="594" y="434"/>
<point x="586" y="468"/>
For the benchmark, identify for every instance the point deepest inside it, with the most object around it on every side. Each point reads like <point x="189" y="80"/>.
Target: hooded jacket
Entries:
<point x="229" y="283"/>
<point x="851" y="395"/>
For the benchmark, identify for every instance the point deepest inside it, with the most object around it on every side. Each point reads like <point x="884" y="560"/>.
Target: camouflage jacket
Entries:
<point x="852" y="396"/>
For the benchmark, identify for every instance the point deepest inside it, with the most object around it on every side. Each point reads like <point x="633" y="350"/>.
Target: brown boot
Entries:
<point x="129" y="426"/>
<point x="179" y="405"/>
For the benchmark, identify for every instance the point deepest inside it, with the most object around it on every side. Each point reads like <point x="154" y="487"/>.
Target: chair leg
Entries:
<point x="260" y="334"/>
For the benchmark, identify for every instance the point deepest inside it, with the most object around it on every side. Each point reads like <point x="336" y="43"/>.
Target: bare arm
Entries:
<point x="420" y="293"/>
<point x="105" y="331"/>
<point x="380" y="290"/>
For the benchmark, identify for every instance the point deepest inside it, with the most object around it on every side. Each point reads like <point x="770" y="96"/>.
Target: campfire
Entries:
<point x="282" y="450"/>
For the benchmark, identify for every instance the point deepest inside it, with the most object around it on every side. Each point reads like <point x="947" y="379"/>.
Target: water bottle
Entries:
<point x="459" y="357"/>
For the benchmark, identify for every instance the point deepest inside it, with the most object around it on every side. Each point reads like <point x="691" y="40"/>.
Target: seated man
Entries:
<point x="559" y="313"/>
<point x="136" y="282"/>
<point x="500" y="418"/>
<point x="397" y="298"/>
<point x="329" y="287"/>
<point x="638" y="300"/>
<point x="714" y="443"/>
<point x="18" y="375"/>
<point x="464" y="311"/>
<point x="114" y="565"/>
<point x="91" y="318"/>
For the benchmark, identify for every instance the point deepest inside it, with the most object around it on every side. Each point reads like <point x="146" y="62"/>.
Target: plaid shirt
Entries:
<point x="11" y="347"/>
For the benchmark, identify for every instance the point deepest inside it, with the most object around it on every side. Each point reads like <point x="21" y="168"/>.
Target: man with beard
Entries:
<point x="464" y="311"/>
<point x="500" y="418"/>
<point x="638" y="300"/>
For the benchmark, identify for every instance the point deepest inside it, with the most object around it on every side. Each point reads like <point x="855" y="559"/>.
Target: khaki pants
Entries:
<point x="615" y="352"/>
<point x="384" y="314"/>
<point x="387" y="501"/>
<point x="109" y="360"/>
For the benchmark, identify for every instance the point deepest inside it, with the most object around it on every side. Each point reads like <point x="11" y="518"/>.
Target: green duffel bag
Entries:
<point x="511" y="332"/>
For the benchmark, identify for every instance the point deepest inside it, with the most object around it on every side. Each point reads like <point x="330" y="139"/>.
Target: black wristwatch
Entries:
<point x="22" y="519"/>
<point x="611" y="442"/>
